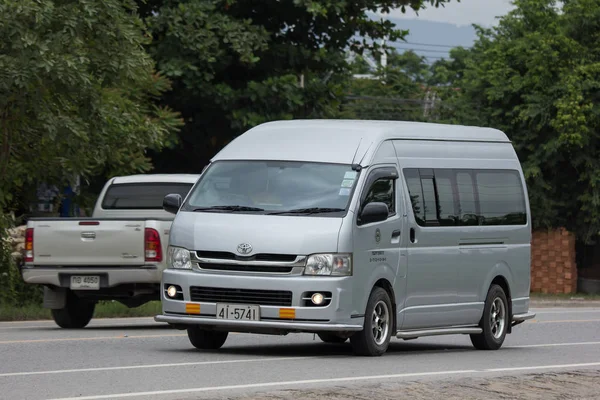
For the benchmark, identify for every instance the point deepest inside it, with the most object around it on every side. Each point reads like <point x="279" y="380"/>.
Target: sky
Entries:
<point x="463" y="13"/>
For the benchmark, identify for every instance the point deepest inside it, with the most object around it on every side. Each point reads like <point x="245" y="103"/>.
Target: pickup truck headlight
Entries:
<point x="179" y="258"/>
<point x="329" y="264"/>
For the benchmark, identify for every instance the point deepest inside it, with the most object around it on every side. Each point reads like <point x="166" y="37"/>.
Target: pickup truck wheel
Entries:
<point x="206" y="340"/>
<point x="332" y="338"/>
<point x="76" y="314"/>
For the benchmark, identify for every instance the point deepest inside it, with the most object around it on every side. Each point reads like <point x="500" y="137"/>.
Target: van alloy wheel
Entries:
<point x="381" y="322"/>
<point x="494" y="322"/>
<point x="497" y="318"/>
<point x="375" y="337"/>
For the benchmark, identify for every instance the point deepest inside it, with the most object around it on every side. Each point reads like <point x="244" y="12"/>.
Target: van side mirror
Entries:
<point x="374" y="212"/>
<point x="172" y="203"/>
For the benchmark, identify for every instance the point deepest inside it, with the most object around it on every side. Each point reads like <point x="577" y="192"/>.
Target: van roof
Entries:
<point x="157" y="178"/>
<point x="341" y="141"/>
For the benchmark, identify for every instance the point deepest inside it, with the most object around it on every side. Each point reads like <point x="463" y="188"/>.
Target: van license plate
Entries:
<point x="85" y="282"/>
<point x="238" y="312"/>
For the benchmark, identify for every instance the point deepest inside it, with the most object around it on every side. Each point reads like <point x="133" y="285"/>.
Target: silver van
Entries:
<point x="357" y="230"/>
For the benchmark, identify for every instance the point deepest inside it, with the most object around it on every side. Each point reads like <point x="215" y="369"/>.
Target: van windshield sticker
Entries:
<point x="344" y="192"/>
<point x="347" y="183"/>
<point x="350" y="175"/>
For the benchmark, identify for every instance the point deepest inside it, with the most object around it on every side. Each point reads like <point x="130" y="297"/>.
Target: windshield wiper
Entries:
<point x="313" y="210"/>
<point x="228" y="208"/>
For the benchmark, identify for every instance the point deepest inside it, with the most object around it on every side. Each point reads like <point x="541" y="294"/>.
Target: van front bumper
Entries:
<point x="338" y="315"/>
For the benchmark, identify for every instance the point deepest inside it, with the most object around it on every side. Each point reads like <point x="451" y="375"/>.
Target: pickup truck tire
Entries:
<point x="206" y="340"/>
<point x="76" y="314"/>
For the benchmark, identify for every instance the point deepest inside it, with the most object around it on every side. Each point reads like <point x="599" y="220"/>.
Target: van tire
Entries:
<point x="494" y="322"/>
<point x="76" y="313"/>
<point x="332" y="338"/>
<point x="206" y="340"/>
<point x="365" y="343"/>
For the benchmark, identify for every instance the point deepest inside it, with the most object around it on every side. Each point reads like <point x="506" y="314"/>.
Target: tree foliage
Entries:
<point x="235" y="64"/>
<point x="537" y="77"/>
<point x="396" y="92"/>
<point x="76" y="93"/>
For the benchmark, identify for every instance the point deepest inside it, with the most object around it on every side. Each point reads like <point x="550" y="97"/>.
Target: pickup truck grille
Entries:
<point x="281" y="298"/>
<point x="224" y="255"/>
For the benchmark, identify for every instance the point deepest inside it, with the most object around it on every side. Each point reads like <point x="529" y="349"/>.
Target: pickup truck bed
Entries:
<point x="117" y="254"/>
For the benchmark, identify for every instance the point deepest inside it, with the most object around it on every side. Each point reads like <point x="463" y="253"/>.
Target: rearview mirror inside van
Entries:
<point x="374" y="212"/>
<point x="172" y="202"/>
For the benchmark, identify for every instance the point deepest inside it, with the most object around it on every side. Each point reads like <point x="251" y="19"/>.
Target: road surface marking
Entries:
<point x="563" y="321"/>
<point x="567" y="311"/>
<point x="186" y="364"/>
<point x="327" y="380"/>
<point x="49" y="321"/>
<point x="199" y="363"/>
<point x="527" y="346"/>
<point x="89" y="338"/>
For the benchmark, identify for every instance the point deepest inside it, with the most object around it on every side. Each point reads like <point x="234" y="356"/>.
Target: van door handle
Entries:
<point x="412" y="235"/>
<point x="396" y="233"/>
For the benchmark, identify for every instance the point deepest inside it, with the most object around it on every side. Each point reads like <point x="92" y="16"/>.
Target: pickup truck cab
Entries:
<point x="118" y="253"/>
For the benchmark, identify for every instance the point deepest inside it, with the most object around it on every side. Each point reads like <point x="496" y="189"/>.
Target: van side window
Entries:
<point x="413" y="181"/>
<point x="501" y="198"/>
<point x="382" y="190"/>
<point x="468" y="210"/>
<point x="462" y="197"/>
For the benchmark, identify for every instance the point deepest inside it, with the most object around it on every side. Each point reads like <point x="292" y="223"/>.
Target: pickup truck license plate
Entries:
<point x="238" y="312"/>
<point x="85" y="282"/>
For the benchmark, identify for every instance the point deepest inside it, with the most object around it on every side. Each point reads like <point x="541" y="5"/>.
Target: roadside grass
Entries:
<point x="106" y="309"/>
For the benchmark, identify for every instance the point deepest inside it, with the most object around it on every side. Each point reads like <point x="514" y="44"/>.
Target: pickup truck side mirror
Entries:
<point x="374" y="212"/>
<point x="172" y="203"/>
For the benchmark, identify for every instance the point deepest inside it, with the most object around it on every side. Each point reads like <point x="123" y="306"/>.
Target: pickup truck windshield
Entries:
<point x="273" y="187"/>
<point x="141" y="196"/>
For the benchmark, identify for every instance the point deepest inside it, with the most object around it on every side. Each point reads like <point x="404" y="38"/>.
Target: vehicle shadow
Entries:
<point x="319" y="349"/>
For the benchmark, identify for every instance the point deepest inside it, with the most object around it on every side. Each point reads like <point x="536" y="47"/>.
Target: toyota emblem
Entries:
<point x="244" y="248"/>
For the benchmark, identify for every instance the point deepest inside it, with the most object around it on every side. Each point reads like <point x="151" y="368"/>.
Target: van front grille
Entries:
<point x="246" y="268"/>
<point x="281" y="298"/>
<point x="224" y="255"/>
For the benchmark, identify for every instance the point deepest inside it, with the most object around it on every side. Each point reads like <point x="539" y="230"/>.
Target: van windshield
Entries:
<point x="273" y="187"/>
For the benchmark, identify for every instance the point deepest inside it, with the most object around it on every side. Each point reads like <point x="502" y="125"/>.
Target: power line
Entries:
<point x="417" y="49"/>
<point x="436" y="45"/>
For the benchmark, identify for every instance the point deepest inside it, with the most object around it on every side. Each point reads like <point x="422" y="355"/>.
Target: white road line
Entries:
<point x="199" y="363"/>
<point x="91" y="327"/>
<point x="538" y="367"/>
<point x="186" y="364"/>
<point x="329" y="380"/>
<point x="527" y="346"/>
<point x="49" y="321"/>
<point x="541" y="311"/>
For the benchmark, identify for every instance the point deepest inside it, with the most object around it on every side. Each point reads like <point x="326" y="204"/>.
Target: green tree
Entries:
<point x="537" y="77"/>
<point x="235" y="64"/>
<point x="396" y="92"/>
<point x="77" y="91"/>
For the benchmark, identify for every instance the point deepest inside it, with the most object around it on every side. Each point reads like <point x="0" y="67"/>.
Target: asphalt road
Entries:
<point x="140" y="359"/>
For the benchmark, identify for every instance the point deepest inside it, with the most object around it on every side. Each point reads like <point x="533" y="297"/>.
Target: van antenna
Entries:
<point x="358" y="167"/>
<point x="356" y="151"/>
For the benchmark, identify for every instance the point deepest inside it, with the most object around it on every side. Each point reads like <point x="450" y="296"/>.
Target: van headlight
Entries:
<point x="329" y="264"/>
<point x="179" y="258"/>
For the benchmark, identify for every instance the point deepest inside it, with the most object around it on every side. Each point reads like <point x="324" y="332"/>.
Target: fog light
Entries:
<point x="172" y="291"/>
<point x="317" y="298"/>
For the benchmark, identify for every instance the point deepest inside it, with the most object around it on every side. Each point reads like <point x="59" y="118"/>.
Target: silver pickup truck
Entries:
<point x="118" y="253"/>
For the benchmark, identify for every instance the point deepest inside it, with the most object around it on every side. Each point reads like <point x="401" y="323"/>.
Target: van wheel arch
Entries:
<point x="503" y="283"/>
<point x="387" y="286"/>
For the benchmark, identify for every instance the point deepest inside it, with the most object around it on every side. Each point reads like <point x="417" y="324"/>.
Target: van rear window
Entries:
<point x="141" y="196"/>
